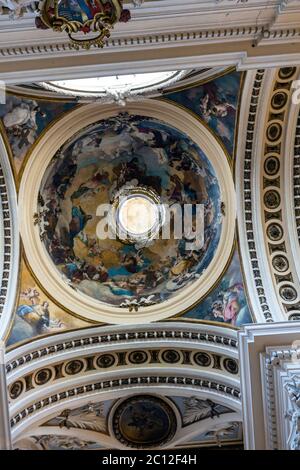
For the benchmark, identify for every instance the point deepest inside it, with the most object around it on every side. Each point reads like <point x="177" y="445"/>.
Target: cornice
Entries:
<point x="152" y="333"/>
<point x="239" y="34"/>
<point x="269" y="358"/>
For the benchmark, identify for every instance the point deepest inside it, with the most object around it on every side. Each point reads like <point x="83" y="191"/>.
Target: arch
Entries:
<point x="9" y="239"/>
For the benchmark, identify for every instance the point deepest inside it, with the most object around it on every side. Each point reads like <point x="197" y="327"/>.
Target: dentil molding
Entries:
<point x="267" y="211"/>
<point x="162" y="35"/>
<point x="100" y="363"/>
<point x="9" y="242"/>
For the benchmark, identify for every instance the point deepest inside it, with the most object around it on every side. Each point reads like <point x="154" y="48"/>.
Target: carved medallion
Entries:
<point x="144" y="421"/>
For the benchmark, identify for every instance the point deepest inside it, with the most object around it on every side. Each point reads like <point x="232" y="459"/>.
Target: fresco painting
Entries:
<point x="227" y="303"/>
<point x="36" y="314"/>
<point x="25" y="119"/>
<point x="216" y="103"/>
<point x="89" y="170"/>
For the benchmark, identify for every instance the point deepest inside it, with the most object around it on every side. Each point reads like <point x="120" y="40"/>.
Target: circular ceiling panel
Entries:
<point x="144" y="422"/>
<point x="111" y="236"/>
<point x="136" y="165"/>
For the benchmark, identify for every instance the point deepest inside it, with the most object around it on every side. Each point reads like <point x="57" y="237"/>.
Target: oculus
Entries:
<point x="136" y="215"/>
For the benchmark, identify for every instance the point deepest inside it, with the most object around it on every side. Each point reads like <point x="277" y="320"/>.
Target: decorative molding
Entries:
<point x="102" y="350"/>
<point x="275" y="210"/>
<point x="266" y="228"/>
<point x="296" y="176"/>
<point x="5" y="432"/>
<point x="259" y="34"/>
<point x="74" y="342"/>
<point x="269" y="363"/>
<point x="191" y="37"/>
<point x="99" y="422"/>
<point x="246" y="190"/>
<point x="196" y="410"/>
<point x="15" y="9"/>
<point x="103" y="360"/>
<point x="9" y="239"/>
<point x="117" y="96"/>
<point x="90" y="417"/>
<point x="281" y="375"/>
<point x="66" y="370"/>
<point x="215" y="387"/>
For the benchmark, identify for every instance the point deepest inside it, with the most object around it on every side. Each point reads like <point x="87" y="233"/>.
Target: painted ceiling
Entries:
<point x="139" y="342"/>
<point x="89" y="169"/>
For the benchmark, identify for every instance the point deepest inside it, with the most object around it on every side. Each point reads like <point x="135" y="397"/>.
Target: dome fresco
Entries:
<point x="126" y="154"/>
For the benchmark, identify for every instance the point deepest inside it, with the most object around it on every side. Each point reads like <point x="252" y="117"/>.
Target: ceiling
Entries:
<point x="103" y="336"/>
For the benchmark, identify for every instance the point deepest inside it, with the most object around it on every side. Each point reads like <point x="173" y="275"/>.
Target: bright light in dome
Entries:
<point x="138" y="215"/>
<point x="114" y="83"/>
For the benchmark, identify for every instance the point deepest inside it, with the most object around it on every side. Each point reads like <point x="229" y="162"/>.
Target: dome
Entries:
<point x="138" y="165"/>
<point x="133" y="212"/>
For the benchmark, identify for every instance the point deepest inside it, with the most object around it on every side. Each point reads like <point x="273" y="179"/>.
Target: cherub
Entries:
<point x="31" y="294"/>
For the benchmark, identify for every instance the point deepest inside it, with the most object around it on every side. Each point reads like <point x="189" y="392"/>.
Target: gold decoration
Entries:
<point x="82" y="17"/>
